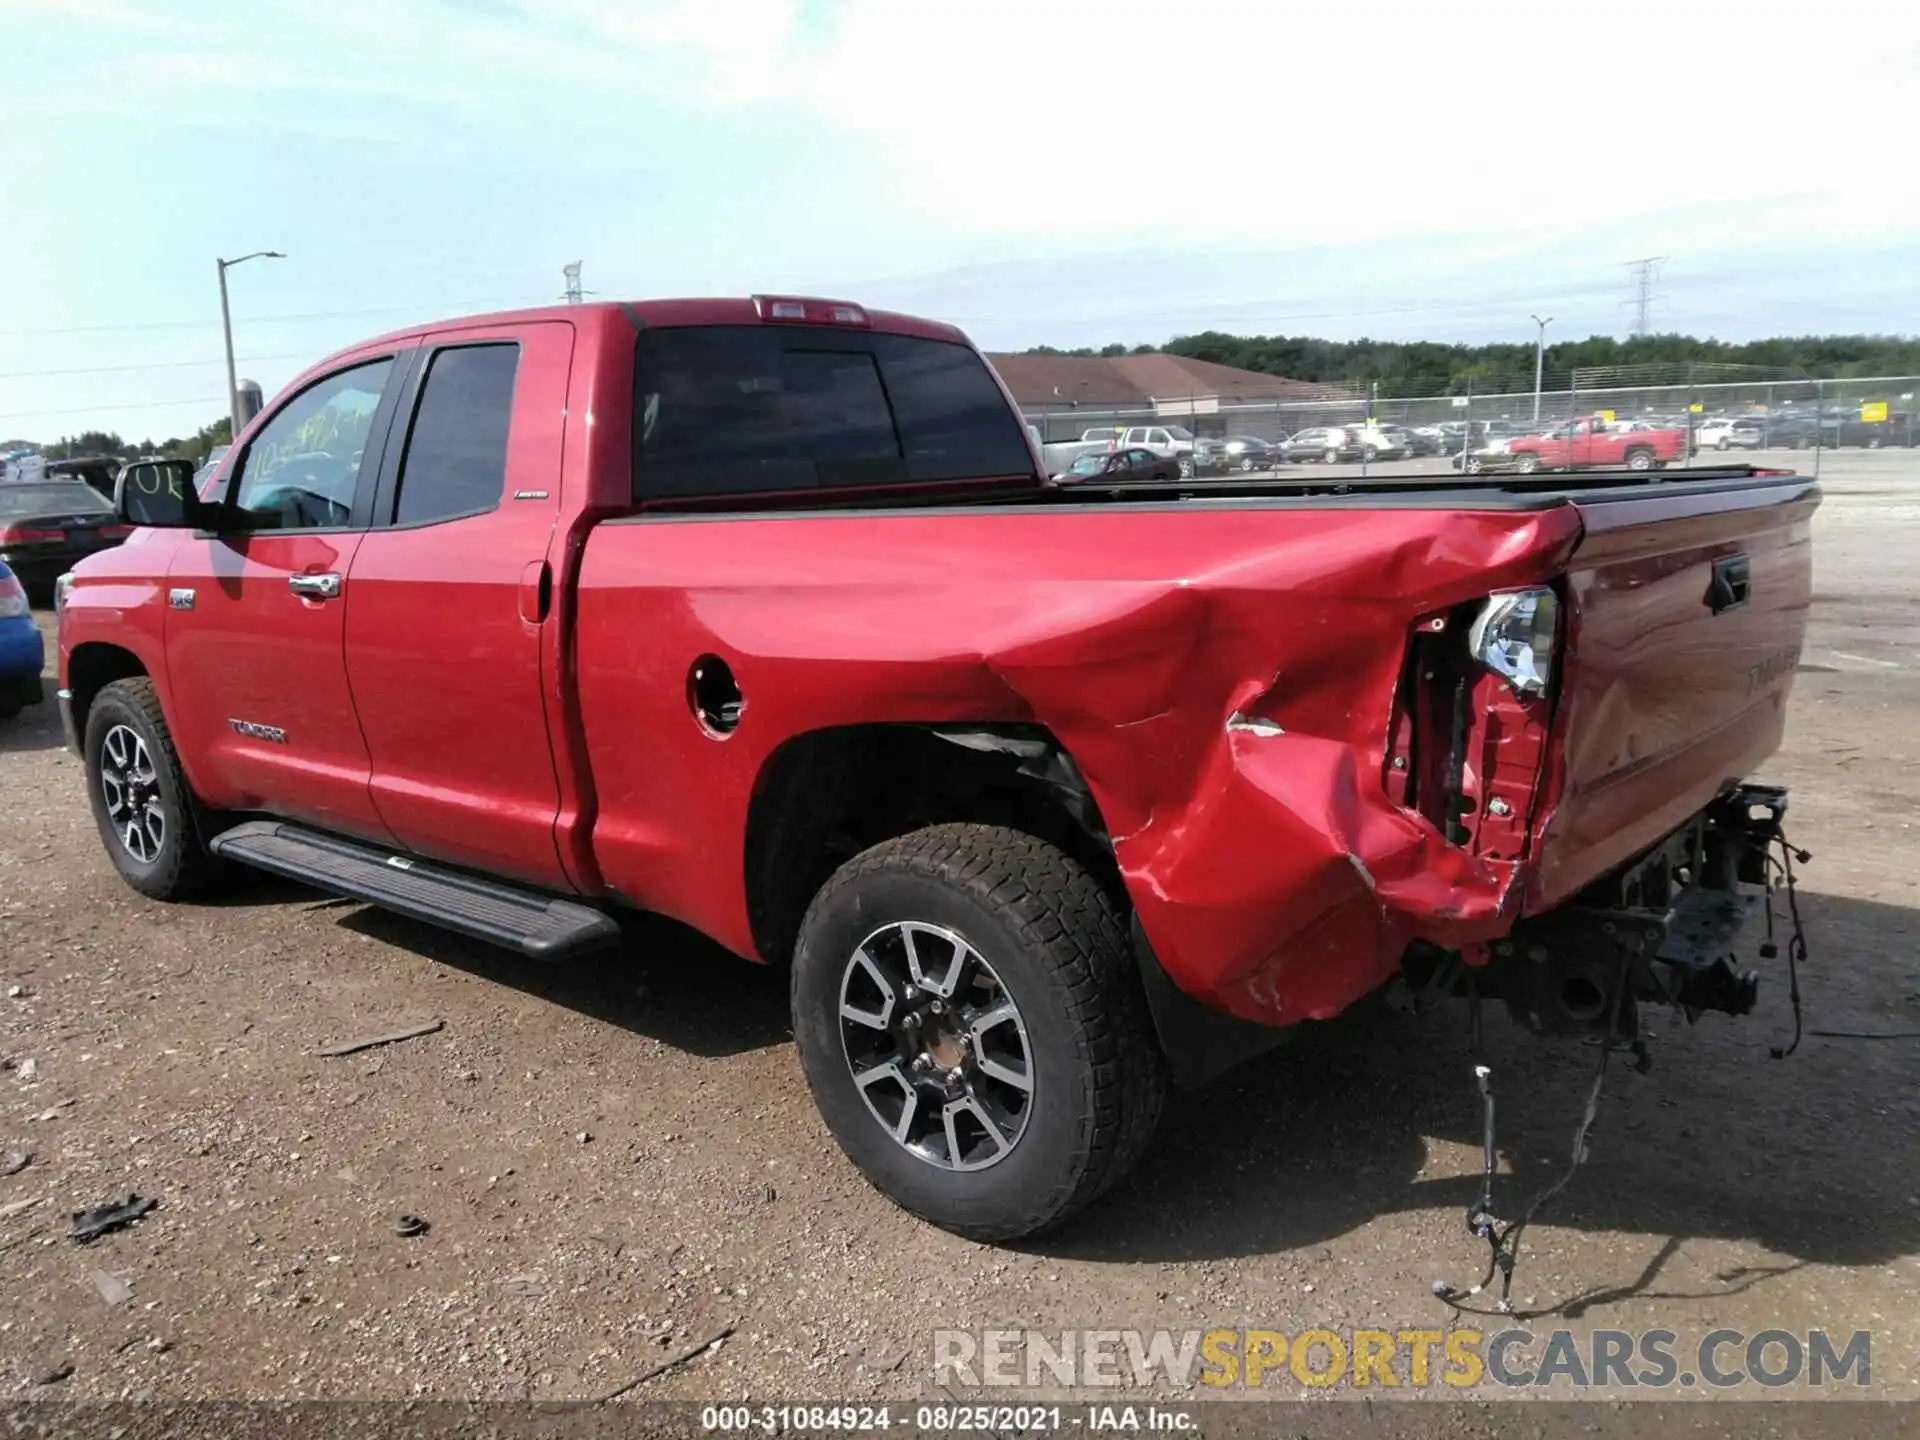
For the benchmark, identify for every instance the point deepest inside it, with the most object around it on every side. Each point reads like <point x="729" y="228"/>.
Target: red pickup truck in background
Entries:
<point x="1595" y="442"/>
<point x="763" y="614"/>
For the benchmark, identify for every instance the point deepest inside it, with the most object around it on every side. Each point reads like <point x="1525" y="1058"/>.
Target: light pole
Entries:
<point x="1539" y="360"/>
<point x="226" y="326"/>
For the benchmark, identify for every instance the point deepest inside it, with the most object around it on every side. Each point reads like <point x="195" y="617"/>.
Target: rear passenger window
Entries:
<point x="742" y="409"/>
<point x="456" y="456"/>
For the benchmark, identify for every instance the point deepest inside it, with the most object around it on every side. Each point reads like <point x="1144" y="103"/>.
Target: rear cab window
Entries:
<point x="455" y="461"/>
<point x="749" y="409"/>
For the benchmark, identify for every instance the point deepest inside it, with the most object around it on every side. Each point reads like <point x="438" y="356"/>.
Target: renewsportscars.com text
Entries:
<point x="1459" y="1358"/>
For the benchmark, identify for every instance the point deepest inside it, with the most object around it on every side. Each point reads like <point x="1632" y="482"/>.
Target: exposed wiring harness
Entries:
<point x="1782" y="867"/>
<point x="1503" y="1238"/>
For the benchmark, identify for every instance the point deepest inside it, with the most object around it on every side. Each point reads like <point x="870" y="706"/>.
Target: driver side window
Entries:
<point x="300" y="471"/>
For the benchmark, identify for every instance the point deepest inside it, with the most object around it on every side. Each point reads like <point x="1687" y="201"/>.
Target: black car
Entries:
<point x="45" y="526"/>
<point x="1249" y="452"/>
<point x="1133" y="464"/>
<point x="98" y="471"/>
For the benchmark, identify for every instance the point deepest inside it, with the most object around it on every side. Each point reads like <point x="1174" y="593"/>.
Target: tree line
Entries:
<point x="194" y="447"/>
<point x="1431" y="367"/>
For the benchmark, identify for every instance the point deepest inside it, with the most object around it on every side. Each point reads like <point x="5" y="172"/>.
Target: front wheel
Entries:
<point x="141" y="801"/>
<point x="973" y="1030"/>
<point x="1332" y="457"/>
<point x="1186" y="469"/>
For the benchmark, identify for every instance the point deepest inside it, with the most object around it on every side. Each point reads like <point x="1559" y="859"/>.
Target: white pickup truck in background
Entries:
<point x="1167" y="441"/>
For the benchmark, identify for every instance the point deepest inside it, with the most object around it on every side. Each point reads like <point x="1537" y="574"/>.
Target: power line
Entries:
<point x="125" y="369"/>
<point x="441" y="309"/>
<point x="1646" y="273"/>
<point x="123" y="405"/>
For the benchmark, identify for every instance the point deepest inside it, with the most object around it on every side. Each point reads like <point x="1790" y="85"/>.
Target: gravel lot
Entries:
<point x="619" y="1157"/>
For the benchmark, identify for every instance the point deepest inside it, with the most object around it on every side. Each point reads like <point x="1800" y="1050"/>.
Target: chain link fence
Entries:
<point x="1720" y="418"/>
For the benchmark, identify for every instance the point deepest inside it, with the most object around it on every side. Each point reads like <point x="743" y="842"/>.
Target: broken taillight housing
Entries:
<point x="1514" y="636"/>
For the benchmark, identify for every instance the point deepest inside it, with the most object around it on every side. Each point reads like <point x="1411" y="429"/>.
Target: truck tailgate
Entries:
<point x="1687" y="607"/>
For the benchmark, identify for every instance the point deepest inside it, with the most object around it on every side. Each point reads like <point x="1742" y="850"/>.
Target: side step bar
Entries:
<point x="536" y="925"/>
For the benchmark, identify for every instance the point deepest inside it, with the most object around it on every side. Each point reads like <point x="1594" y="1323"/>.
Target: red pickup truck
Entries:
<point x="1589" y="443"/>
<point x="763" y="614"/>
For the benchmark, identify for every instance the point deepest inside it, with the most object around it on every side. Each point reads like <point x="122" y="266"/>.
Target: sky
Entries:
<point x="1042" y="172"/>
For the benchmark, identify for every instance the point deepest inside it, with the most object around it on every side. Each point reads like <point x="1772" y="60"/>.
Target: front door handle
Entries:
<point x="314" y="587"/>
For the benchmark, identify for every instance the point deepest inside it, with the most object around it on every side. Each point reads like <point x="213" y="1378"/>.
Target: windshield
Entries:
<point x="1179" y="432"/>
<point x="69" y="498"/>
<point x="1088" y="465"/>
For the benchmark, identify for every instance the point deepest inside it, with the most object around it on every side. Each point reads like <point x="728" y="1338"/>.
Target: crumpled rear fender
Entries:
<point x="1272" y="873"/>
<point x="1232" y="727"/>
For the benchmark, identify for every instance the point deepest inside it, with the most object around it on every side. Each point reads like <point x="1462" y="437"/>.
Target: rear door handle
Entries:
<point x="1732" y="583"/>
<point x="314" y="587"/>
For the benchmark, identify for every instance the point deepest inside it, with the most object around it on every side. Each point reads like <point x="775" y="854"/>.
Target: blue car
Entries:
<point x="22" y="652"/>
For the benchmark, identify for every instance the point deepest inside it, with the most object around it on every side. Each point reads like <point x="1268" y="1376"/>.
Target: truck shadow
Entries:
<point x="1375" y="1115"/>
<point x="1813" y="1157"/>
<point x="665" y="982"/>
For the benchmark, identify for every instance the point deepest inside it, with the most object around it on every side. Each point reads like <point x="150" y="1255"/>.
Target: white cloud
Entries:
<point x="1082" y="120"/>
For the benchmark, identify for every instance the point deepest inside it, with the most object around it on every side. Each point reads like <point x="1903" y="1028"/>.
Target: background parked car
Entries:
<point x="1384" y="442"/>
<point x="1330" y="444"/>
<point x="22" y="652"/>
<point x="1209" y="456"/>
<point x="1130" y="464"/>
<point x="218" y="453"/>
<point x="1425" y="440"/>
<point x="97" y="471"/>
<point x="1459" y="435"/>
<point x="1896" y="431"/>
<point x="1250" y="452"/>
<point x="47" y="526"/>
<point x="1731" y="432"/>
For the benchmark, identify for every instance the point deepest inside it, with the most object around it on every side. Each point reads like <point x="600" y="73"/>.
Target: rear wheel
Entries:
<point x="141" y="801"/>
<point x="973" y="1029"/>
<point x="1527" y="463"/>
<point x="1639" y="458"/>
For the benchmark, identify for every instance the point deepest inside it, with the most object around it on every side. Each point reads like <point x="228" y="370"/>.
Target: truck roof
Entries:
<point x="731" y="310"/>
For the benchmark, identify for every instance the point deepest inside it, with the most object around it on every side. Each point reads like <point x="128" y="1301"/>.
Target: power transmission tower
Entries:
<point x="574" y="292"/>
<point x="1646" y="276"/>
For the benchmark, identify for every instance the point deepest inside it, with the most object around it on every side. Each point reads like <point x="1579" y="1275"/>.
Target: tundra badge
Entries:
<point x="252" y="731"/>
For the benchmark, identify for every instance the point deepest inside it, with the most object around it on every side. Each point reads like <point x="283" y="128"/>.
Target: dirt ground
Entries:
<point x="619" y="1157"/>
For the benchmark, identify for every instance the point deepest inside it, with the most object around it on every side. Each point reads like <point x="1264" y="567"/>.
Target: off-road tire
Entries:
<point x="1059" y="945"/>
<point x="182" y="867"/>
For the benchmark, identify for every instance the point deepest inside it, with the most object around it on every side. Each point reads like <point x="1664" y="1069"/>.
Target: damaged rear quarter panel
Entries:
<point x="1271" y="872"/>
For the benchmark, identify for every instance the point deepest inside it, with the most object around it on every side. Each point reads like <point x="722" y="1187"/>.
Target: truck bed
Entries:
<point x="1221" y="661"/>
<point x="1440" y="490"/>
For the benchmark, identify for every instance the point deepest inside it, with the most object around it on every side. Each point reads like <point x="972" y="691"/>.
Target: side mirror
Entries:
<point x="160" y="493"/>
